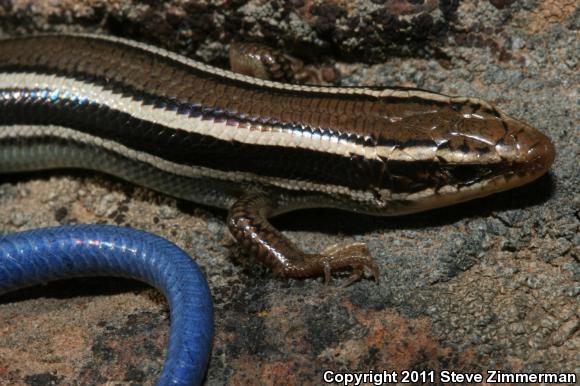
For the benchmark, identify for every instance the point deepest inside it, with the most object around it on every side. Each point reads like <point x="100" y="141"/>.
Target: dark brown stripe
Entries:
<point x="86" y="58"/>
<point x="28" y="108"/>
<point x="189" y="148"/>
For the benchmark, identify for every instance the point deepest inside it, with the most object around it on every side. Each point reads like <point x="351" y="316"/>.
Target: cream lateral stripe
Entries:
<point x="83" y="92"/>
<point x="72" y="89"/>
<point x="30" y="131"/>
<point x="427" y="198"/>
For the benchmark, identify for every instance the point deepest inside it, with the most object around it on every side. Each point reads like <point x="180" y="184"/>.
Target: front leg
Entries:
<point x="247" y="221"/>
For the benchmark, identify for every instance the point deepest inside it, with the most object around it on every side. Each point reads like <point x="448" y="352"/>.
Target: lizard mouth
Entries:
<point x="430" y="187"/>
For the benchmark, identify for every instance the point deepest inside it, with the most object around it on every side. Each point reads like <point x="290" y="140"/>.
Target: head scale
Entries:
<point x="453" y="153"/>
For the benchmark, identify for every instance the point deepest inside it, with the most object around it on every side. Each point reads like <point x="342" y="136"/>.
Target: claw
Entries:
<point x="354" y="276"/>
<point x="374" y="271"/>
<point x="327" y="273"/>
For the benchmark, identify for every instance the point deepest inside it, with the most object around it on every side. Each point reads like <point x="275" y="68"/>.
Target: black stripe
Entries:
<point x="31" y="107"/>
<point x="189" y="148"/>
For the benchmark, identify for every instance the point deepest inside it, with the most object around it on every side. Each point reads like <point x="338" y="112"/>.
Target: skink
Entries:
<point x="254" y="147"/>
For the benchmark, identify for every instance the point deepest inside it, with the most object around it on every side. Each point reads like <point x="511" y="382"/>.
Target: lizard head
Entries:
<point x="458" y="152"/>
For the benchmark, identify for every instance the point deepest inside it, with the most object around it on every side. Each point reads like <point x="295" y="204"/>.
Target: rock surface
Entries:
<point x="491" y="284"/>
